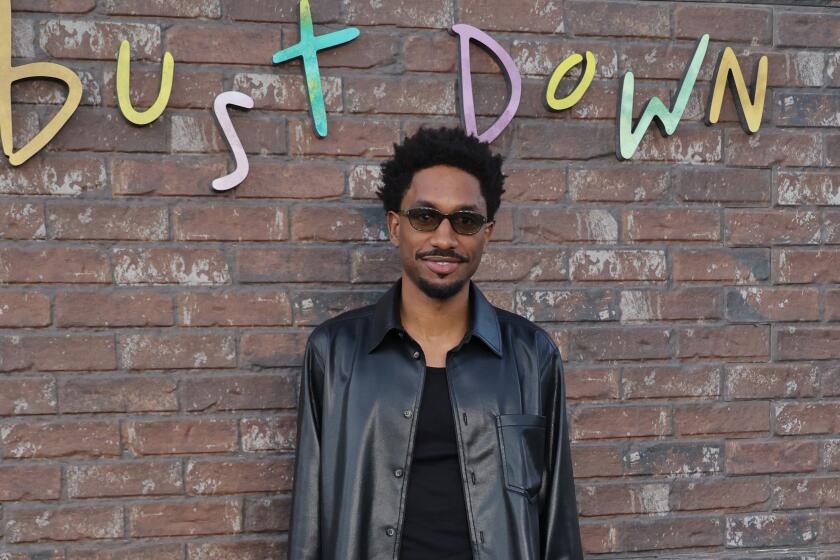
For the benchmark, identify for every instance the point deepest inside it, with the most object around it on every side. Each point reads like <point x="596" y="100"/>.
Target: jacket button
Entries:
<point x="398" y="473"/>
<point x="416" y="354"/>
<point x="407" y="413"/>
<point x="390" y="531"/>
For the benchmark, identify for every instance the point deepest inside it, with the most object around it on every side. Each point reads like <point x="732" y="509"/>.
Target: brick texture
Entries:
<point x="152" y="330"/>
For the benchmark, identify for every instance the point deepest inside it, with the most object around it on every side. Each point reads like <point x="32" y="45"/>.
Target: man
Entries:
<point x="431" y="424"/>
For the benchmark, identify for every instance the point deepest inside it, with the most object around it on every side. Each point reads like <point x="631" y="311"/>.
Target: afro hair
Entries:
<point x="442" y="146"/>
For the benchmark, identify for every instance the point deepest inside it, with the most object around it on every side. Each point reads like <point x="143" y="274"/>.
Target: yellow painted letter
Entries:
<point x="10" y="74"/>
<point x="123" y="87"/>
<point x="587" y="74"/>
<point x="749" y="111"/>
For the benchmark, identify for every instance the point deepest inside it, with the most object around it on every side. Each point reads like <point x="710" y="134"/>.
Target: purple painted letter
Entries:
<point x="465" y="33"/>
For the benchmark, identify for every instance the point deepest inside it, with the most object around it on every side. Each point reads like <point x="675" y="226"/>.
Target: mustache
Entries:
<point x="444" y="254"/>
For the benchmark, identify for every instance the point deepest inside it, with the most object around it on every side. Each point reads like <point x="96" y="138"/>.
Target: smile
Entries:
<point x="441" y="267"/>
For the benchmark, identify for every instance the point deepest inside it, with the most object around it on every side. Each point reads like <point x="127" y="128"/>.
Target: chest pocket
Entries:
<point x="522" y="445"/>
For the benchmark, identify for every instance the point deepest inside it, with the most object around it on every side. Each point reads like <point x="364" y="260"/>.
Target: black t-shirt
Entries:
<point x="435" y="525"/>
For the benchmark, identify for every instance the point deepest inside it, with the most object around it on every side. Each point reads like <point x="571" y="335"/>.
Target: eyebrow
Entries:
<point x="426" y="203"/>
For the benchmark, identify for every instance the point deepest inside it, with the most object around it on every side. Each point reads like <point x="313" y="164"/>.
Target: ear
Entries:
<point x="488" y="230"/>
<point x="394" y="228"/>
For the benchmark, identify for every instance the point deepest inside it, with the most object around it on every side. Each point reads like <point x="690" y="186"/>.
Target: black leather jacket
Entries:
<point x="360" y="390"/>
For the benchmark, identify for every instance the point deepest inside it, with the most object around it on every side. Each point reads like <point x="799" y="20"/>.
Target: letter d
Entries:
<point x="514" y="81"/>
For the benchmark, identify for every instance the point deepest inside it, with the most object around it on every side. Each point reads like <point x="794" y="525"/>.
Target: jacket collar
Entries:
<point x="484" y="322"/>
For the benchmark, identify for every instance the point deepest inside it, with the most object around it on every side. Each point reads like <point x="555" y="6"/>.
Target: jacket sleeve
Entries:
<point x="304" y="523"/>
<point x="559" y="529"/>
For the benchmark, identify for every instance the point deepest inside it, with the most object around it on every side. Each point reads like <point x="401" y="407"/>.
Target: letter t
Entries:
<point x="307" y="48"/>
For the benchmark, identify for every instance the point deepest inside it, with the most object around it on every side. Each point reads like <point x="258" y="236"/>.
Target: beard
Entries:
<point x="438" y="291"/>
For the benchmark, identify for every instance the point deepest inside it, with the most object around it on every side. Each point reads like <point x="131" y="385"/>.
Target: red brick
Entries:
<point x="771" y="227"/>
<point x="771" y="529"/>
<point x="797" y="418"/>
<point x="170" y="265"/>
<point x="732" y="419"/>
<point x="71" y="175"/>
<point x="610" y="422"/>
<point x="620" y="344"/>
<point x="227" y="222"/>
<point x="539" y="16"/>
<point x="539" y="57"/>
<point x="761" y="381"/>
<point x="60" y="352"/>
<point x="807" y="187"/>
<point x="596" y="460"/>
<point x="772" y="304"/>
<point x="163" y="437"/>
<point x="810" y="343"/>
<point x="266" y="308"/>
<point x="665" y="61"/>
<point x="720" y="184"/>
<point x="368" y="138"/>
<point x="190" y="90"/>
<point x="108" y="221"/>
<point x="558" y="225"/>
<point x="181" y="350"/>
<point x="623" y="498"/>
<point x="124" y="308"/>
<point x="724" y="23"/>
<point x="592" y="384"/>
<point x="280" y="349"/>
<point x="54" y="263"/>
<point x="686" y="145"/>
<point x="338" y="223"/>
<point x="599" y="17"/>
<point x="24" y="309"/>
<point x="670" y="382"/>
<point x="238" y="392"/>
<point x="292" y="264"/>
<point x="667" y="305"/>
<point x="170" y="177"/>
<point x="721" y="493"/>
<point x="544" y="184"/>
<point x="733" y="342"/>
<point x="675" y="532"/>
<point x="771" y="456"/>
<point x="261" y="514"/>
<point x="186" y="518"/>
<point x="187" y="9"/>
<point x="99" y="40"/>
<point x="28" y="482"/>
<point x="275" y="433"/>
<point x="100" y="130"/>
<point x="565" y="305"/>
<point x="136" y="478"/>
<point x="738" y="266"/>
<point x="238" y="477"/>
<point x="425" y="13"/>
<point x="211" y="43"/>
<point x="200" y="133"/>
<point x="273" y="179"/>
<point x="65" y="523"/>
<point x="566" y="141"/>
<point x="807" y="29"/>
<point x="259" y="548"/>
<point x="670" y="224"/>
<point x="271" y="11"/>
<point x="806" y="492"/>
<point x="56" y="439"/>
<point x="420" y="96"/>
<point x="673" y="458"/>
<point x="121" y="394"/>
<point x="627" y="183"/>
<point x="799" y="266"/>
<point x="20" y="220"/>
<point x="53" y="6"/>
<point x="806" y="109"/>
<point x="785" y="147"/>
<point x="617" y="264"/>
<point x="27" y="395"/>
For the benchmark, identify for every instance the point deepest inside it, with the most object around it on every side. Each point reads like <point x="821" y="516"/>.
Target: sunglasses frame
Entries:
<point x="484" y="220"/>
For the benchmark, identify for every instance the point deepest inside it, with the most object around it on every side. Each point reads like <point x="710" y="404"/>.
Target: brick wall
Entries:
<point x="152" y="329"/>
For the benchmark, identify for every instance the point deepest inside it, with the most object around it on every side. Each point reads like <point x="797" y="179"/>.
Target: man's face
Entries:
<point x="447" y="189"/>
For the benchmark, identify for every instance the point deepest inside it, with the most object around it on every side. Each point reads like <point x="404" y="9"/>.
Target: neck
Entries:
<point x="431" y="319"/>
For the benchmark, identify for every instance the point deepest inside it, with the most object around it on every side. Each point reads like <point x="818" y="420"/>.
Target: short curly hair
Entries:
<point x="442" y="146"/>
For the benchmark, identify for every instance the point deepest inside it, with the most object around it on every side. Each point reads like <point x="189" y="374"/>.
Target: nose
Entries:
<point x="444" y="235"/>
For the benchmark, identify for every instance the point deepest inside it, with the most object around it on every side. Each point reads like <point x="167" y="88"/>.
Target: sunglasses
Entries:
<point x="464" y="222"/>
